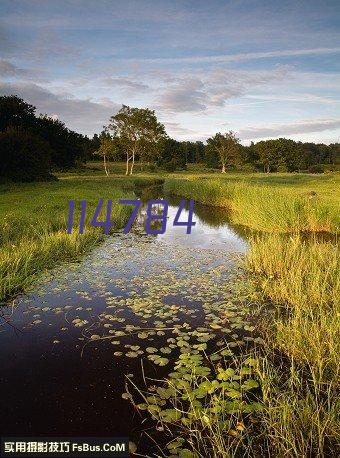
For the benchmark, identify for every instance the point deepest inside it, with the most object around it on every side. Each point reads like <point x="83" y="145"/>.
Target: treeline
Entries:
<point x="281" y="155"/>
<point x="135" y="134"/>
<point x="32" y="146"/>
<point x="125" y="139"/>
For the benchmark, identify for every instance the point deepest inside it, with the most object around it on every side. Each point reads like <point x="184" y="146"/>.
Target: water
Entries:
<point x="55" y="380"/>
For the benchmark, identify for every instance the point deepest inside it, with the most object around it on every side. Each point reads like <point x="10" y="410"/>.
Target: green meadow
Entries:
<point x="292" y="266"/>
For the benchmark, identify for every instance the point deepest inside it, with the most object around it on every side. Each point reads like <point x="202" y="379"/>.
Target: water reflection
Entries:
<point x="213" y="228"/>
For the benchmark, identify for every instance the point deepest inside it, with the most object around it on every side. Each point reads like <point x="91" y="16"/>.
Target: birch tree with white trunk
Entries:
<point x="106" y="150"/>
<point x="226" y="146"/>
<point x="138" y="132"/>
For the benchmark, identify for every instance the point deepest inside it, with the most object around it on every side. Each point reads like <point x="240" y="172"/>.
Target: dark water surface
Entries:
<point x="57" y="380"/>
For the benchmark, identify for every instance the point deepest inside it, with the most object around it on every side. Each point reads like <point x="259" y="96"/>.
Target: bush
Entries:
<point x="23" y="156"/>
<point x="315" y="169"/>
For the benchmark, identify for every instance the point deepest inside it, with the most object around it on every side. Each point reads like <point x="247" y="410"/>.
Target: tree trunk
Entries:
<point x="223" y="168"/>
<point x="133" y="162"/>
<point x="127" y="164"/>
<point x="105" y="167"/>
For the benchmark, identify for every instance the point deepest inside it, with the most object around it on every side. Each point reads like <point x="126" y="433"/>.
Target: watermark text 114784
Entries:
<point x="155" y="221"/>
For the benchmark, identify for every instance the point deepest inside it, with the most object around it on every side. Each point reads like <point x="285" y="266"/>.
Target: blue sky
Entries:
<point x="261" y="68"/>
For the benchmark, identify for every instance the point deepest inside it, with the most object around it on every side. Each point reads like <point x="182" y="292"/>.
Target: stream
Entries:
<point x="69" y="347"/>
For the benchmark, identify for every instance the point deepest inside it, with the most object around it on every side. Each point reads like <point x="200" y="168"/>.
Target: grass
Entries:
<point x="301" y="390"/>
<point x="34" y="221"/>
<point x="268" y="206"/>
<point x="300" y="369"/>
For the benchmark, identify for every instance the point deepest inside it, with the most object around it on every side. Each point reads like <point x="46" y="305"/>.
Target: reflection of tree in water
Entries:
<point x="149" y="192"/>
<point x="140" y="222"/>
<point x="212" y="216"/>
<point x="218" y="216"/>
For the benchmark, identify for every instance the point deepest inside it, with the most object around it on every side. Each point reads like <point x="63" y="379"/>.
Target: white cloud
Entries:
<point x="187" y="95"/>
<point x="127" y="84"/>
<point x="82" y="115"/>
<point x="9" y="69"/>
<point x="213" y="88"/>
<point x="282" y="129"/>
<point x="227" y="58"/>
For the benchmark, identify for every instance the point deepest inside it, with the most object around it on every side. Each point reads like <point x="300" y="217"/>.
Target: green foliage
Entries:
<point x="265" y="204"/>
<point x="33" y="233"/>
<point x="14" y="112"/>
<point x="138" y="132"/>
<point x="301" y="393"/>
<point x="172" y="156"/>
<point x="223" y="149"/>
<point x="67" y="147"/>
<point x="24" y="156"/>
<point x="60" y="147"/>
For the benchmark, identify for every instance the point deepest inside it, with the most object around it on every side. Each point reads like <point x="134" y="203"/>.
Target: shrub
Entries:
<point x="23" y="156"/>
<point x="317" y="168"/>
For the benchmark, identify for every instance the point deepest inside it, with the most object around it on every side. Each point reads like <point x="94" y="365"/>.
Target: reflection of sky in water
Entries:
<point x="202" y="234"/>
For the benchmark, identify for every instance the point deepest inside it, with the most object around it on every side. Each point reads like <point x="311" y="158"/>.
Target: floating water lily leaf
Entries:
<point x="161" y="361"/>
<point x="143" y="335"/>
<point x="186" y="453"/>
<point x="249" y="384"/>
<point x="151" y="350"/>
<point x="95" y="337"/>
<point x="200" y="347"/>
<point x="175" y="444"/>
<point x="233" y="394"/>
<point x="170" y="415"/>
<point x="132" y="447"/>
<point x="215" y="357"/>
<point x="131" y="354"/>
<point x="142" y="406"/>
<point x="215" y="326"/>
<point x="225" y="374"/>
<point x="253" y="407"/>
<point x="251" y="361"/>
<point x="245" y="371"/>
<point x="153" y="409"/>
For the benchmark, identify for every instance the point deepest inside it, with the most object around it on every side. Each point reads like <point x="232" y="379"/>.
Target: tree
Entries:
<point x="68" y="147"/>
<point x="107" y="149"/>
<point x="24" y="156"/>
<point x="226" y="146"/>
<point x="172" y="156"/>
<point x="138" y="132"/>
<point x="15" y="112"/>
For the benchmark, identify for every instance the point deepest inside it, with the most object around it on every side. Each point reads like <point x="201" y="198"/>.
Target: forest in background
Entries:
<point x="33" y="146"/>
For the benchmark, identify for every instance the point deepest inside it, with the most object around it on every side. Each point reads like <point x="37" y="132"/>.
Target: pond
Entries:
<point x="70" y="346"/>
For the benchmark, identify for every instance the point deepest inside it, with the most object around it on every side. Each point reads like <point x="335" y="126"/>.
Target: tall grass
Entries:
<point x="300" y="370"/>
<point x="33" y="226"/>
<point x="21" y="263"/>
<point x="263" y="208"/>
<point x="301" y="388"/>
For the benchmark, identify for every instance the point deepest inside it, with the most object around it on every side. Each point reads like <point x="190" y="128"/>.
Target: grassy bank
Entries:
<point x="269" y="204"/>
<point x="34" y="221"/>
<point x="299" y="368"/>
<point x="300" y="388"/>
<point x="299" y="372"/>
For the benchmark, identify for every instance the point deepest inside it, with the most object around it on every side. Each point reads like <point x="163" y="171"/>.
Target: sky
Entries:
<point x="264" y="69"/>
